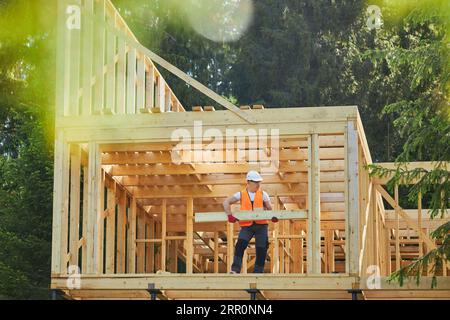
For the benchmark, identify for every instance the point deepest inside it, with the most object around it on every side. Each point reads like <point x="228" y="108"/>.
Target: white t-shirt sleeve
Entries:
<point x="266" y="197"/>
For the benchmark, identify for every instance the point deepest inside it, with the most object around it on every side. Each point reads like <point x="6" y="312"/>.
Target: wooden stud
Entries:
<point x="189" y="234"/>
<point x="313" y="259"/>
<point x="99" y="53"/>
<point x="352" y="188"/>
<point x="110" y="229"/>
<point x="93" y="204"/>
<point x="75" y="174"/>
<point x="163" y="234"/>
<point x="132" y="236"/>
<point x="131" y="82"/>
<point x="230" y="245"/>
<point x="60" y="205"/>
<point x="121" y="231"/>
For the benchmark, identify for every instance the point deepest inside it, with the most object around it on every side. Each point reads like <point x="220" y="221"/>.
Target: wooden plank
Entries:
<point x="150" y="87"/>
<point x="397" y="232"/>
<point x="99" y="54"/>
<point x="110" y="229"/>
<point x="131" y="82"/>
<point x="276" y="247"/>
<point x="121" y="77"/>
<point x="230" y="246"/>
<point x="189" y="234"/>
<point x="132" y="237"/>
<point x="59" y="228"/>
<point x="75" y="174"/>
<point x="200" y="168"/>
<point x="140" y="87"/>
<point x="93" y="212"/>
<point x="74" y="38"/>
<point x="62" y="71"/>
<point x="163" y="234"/>
<point x="85" y="218"/>
<point x="87" y="31"/>
<point x="216" y="252"/>
<point x="352" y="217"/>
<point x="110" y="107"/>
<point x="121" y="231"/>
<point x="100" y="224"/>
<point x="222" y="282"/>
<point x="140" y="247"/>
<point x="314" y="259"/>
<point x="251" y="215"/>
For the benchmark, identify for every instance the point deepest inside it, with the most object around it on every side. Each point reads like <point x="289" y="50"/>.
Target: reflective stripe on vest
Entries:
<point x="246" y="204"/>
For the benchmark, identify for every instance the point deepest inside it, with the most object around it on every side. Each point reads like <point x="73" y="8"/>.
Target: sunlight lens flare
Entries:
<point x="219" y="20"/>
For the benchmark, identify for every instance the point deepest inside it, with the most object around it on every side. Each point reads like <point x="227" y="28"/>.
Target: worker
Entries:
<point x="252" y="197"/>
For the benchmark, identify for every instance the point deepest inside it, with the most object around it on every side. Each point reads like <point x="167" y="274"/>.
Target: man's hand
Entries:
<point x="274" y="219"/>
<point x="232" y="219"/>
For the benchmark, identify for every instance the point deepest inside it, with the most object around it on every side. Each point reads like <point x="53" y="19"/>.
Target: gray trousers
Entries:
<point x="260" y="232"/>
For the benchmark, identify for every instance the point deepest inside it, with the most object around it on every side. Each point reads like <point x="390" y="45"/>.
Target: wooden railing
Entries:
<point x="394" y="238"/>
<point x="99" y="68"/>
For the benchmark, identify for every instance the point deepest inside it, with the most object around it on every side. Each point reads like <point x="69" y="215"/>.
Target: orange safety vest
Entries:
<point x="246" y="204"/>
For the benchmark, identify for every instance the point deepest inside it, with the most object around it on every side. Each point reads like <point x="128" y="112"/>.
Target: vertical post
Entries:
<point x="419" y="222"/>
<point x="276" y="245"/>
<point x="131" y="81"/>
<point x="161" y="99"/>
<point x="230" y="245"/>
<point x="150" y="85"/>
<point x="111" y="228"/>
<point x="99" y="57"/>
<point x="100" y="223"/>
<point x="75" y="163"/>
<point x="314" y="261"/>
<point x="352" y="192"/>
<point x="140" y="246"/>
<point x="110" y="107"/>
<point x="140" y="83"/>
<point x="121" y="230"/>
<point x="85" y="218"/>
<point x="189" y="234"/>
<point x="151" y="262"/>
<point x="121" y="77"/>
<point x="73" y="56"/>
<point x="93" y="212"/>
<point x="62" y="62"/>
<point x="87" y="29"/>
<point x="297" y="249"/>
<point x="216" y="252"/>
<point x="397" y="231"/>
<point x="132" y="237"/>
<point x="60" y="205"/>
<point x="163" y="234"/>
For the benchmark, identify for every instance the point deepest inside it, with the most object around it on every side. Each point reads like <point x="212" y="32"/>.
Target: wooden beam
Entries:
<point x="93" y="212"/>
<point x="251" y="215"/>
<point x="189" y="235"/>
<point x="132" y="237"/>
<point x="230" y="245"/>
<point x="314" y="259"/>
<point x="75" y="164"/>
<point x="163" y="234"/>
<point x="60" y="204"/>
<point x="352" y="218"/>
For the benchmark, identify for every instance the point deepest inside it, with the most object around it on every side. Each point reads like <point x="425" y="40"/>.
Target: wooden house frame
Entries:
<point x="123" y="212"/>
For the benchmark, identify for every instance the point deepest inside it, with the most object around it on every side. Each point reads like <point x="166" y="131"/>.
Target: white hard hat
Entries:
<point x="254" y="176"/>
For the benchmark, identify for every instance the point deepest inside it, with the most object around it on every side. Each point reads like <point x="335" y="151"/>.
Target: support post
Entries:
<point x="352" y="242"/>
<point x="314" y="259"/>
